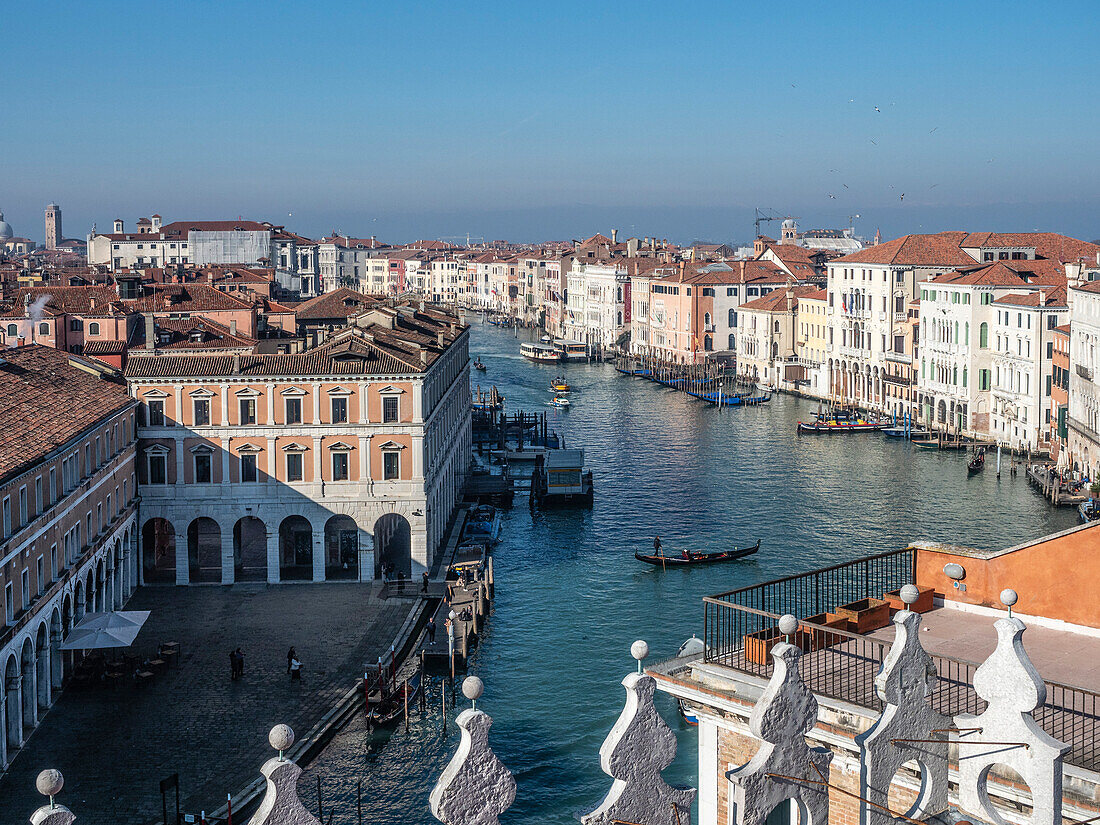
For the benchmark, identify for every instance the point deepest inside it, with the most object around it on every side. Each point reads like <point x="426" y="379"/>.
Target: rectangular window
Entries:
<point x="339" y="466"/>
<point x="9" y="603"/>
<point x="156" y="413"/>
<point x="158" y="469"/>
<point x="248" y="467"/>
<point x="25" y="581"/>
<point x="7" y="517"/>
<point x="294" y="411"/>
<point x="53" y="485"/>
<point x="23" y="507"/>
<point x="390" y="409"/>
<point x="293" y="466"/>
<point x="339" y="410"/>
<point x="202" y="412"/>
<point x="203" y="468"/>
<point x="391" y="464"/>
<point x="248" y="410"/>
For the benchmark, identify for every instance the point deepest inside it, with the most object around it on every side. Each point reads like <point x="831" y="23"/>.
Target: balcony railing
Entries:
<point x="742" y="625"/>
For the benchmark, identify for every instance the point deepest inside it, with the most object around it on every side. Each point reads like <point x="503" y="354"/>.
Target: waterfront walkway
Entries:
<point x="115" y="745"/>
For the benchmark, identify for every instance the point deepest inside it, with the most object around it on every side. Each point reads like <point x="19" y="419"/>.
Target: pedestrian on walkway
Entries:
<point x="240" y="663"/>
<point x="290" y="656"/>
<point x="233" y="665"/>
<point x="295" y="669"/>
<point x="431" y="630"/>
<point x="424" y="586"/>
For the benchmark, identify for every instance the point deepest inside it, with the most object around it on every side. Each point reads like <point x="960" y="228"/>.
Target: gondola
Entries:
<point x="697" y="558"/>
<point x="977" y="463"/>
<point x="390" y="710"/>
<point x="479" y="366"/>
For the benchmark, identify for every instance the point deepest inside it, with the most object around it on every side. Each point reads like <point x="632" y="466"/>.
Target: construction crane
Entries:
<point x="762" y="216"/>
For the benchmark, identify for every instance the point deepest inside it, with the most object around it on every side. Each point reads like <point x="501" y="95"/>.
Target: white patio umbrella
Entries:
<point x="102" y="630"/>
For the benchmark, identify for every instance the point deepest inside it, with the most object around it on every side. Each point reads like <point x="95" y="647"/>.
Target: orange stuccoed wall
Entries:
<point x="1055" y="577"/>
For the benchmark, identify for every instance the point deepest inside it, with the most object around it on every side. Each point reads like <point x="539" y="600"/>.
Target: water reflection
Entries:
<point x="571" y="598"/>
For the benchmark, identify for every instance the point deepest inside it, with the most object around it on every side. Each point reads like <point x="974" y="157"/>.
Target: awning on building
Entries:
<point x="102" y="630"/>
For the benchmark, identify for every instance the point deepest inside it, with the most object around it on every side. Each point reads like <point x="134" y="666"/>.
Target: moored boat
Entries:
<point x="977" y="463"/>
<point x="905" y="432"/>
<point x="697" y="558"/>
<point x="479" y="366"/>
<point x="571" y="350"/>
<point x="832" y="425"/>
<point x="540" y="352"/>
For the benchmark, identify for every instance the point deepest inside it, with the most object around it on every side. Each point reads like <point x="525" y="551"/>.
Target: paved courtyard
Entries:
<point x="115" y="745"/>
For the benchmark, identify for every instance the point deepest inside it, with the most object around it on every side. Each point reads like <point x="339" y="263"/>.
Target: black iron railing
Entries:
<point x="742" y="626"/>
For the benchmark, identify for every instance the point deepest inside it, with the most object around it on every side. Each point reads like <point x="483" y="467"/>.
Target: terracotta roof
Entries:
<point x="776" y="300"/>
<point x="52" y="400"/>
<point x="104" y="347"/>
<point x="1046" y="244"/>
<point x="1063" y="329"/>
<point x="1055" y="298"/>
<point x="209" y="335"/>
<point x="941" y="249"/>
<point x="1006" y="273"/>
<point x="790" y="253"/>
<point x="191" y="297"/>
<point x="819" y="295"/>
<point x="340" y="303"/>
<point x="74" y="300"/>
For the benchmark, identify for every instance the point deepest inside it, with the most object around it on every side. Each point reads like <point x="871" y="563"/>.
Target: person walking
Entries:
<point x="424" y="582"/>
<point x="431" y="630"/>
<point x="295" y="669"/>
<point x="233" y="665"/>
<point x="240" y="663"/>
<point x="290" y="656"/>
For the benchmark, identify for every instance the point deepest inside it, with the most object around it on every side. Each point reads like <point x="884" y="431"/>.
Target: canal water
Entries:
<point x="571" y="597"/>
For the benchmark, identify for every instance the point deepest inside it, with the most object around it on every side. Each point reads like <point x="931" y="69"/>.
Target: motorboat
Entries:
<point x="559" y="401"/>
<point x="559" y="385"/>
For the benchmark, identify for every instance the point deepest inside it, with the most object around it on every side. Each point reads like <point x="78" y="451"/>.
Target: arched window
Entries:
<point x="93" y="328"/>
<point x="777" y="326"/>
<point x="732" y="341"/>
<point x="706" y="319"/>
<point x="922" y="368"/>
<point x="955" y="375"/>
<point x="964" y="377"/>
<point x="956" y="340"/>
<point x="708" y="344"/>
<point x="966" y="339"/>
<point x="983" y="335"/>
<point x="733" y="318"/>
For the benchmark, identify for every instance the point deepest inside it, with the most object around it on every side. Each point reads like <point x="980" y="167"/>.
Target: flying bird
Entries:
<point x="902" y="196"/>
<point x="933" y="186"/>
<point x="831" y="195"/>
<point x="877" y="109"/>
<point x="851" y="100"/>
<point x="844" y="185"/>
<point x="873" y="141"/>
<point x="934" y="129"/>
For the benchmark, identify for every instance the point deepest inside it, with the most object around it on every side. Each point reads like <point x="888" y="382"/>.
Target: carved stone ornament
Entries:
<point x="784" y="715"/>
<point x="475" y="787"/>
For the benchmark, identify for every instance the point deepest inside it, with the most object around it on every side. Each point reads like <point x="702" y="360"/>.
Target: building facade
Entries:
<point x="68" y="499"/>
<point x="342" y="463"/>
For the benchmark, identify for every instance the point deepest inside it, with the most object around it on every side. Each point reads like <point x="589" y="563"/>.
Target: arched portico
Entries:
<point x="250" y="550"/>
<point x="43" y="678"/>
<point x="13" y="704"/>
<point x="295" y="549"/>
<point x="341" y="548"/>
<point x="204" y="550"/>
<point x="27" y="689"/>
<point x="393" y="545"/>
<point x="158" y="551"/>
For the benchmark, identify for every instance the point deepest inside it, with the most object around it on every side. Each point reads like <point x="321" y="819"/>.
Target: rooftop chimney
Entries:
<point x="232" y="326"/>
<point x="614" y="236"/>
<point x="150" y="332"/>
<point x="236" y="363"/>
<point x="91" y="302"/>
<point x="1042" y="298"/>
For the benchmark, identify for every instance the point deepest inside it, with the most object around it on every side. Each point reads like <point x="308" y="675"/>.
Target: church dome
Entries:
<point x="789" y="224"/>
<point x="6" y="232"/>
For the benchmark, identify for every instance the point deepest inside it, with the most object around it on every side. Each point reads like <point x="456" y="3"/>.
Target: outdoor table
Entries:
<point x="157" y="665"/>
<point x="171" y="655"/>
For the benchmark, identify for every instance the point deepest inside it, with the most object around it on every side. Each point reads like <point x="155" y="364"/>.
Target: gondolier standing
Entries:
<point x="657" y="545"/>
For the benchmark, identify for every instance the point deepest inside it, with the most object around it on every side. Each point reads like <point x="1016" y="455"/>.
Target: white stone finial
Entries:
<point x="785" y="713"/>
<point x="639" y="650"/>
<point x="472" y="688"/>
<point x="638" y="748"/>
<point x="475" y="788"/>
<point x="281" y="738"/>
<point x="788" y="625"/>
<point x="1013" y="690"/>
<point x="1009" y="598"/>
<point x="909" y="594"/>
<point x="281" y="804"/>
<point x="906" y="680"/>
<point x="49" y="783"/>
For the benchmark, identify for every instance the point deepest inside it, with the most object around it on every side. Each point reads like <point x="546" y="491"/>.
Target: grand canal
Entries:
<point x="571" y="598"/>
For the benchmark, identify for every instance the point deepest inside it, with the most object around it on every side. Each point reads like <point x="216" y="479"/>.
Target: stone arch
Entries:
<point x="341" y="548"/>
<point x="250" y="550"/>
<point x="57" y="636"/>
<point x="158" y="550"/>
<point x="941" y="412"/>
<point x="204" y="550"/>
<point x="27" y="689"/>
<point x="80" y="605"/>
<point x="295" y="549"/>
<point x="13" y="703"/>
<point x="393" y="545"/>
<point x="101" y="586"/>
<point x="42" y="665"/>
<point x="89" y="593"/>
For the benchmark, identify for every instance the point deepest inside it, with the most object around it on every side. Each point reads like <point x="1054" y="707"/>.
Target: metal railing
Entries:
<point x="742" y="626"/>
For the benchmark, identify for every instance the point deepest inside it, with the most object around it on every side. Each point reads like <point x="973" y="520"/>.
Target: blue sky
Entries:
<point x="553" y="120"/>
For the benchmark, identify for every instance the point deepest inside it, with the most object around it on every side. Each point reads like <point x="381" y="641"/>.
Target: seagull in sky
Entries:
<point x="902" y="196"/>
<point x="844" y="185"/>
<point x="934" y="128"/>
<point x="933" y="186"/>
<point x="831" y="195"/>
<point x="877" y="109"/>
<point x="873" y="141"/>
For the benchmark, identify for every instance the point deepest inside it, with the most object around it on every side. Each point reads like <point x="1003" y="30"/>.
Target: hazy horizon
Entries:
<point x="528" y="123"/>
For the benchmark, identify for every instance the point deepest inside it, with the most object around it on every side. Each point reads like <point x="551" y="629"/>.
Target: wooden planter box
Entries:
<point x="865" y="615"/>
<point x="819" y="639"/>
<point x="922" y="605"/>
<point x="758" y="645"/>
